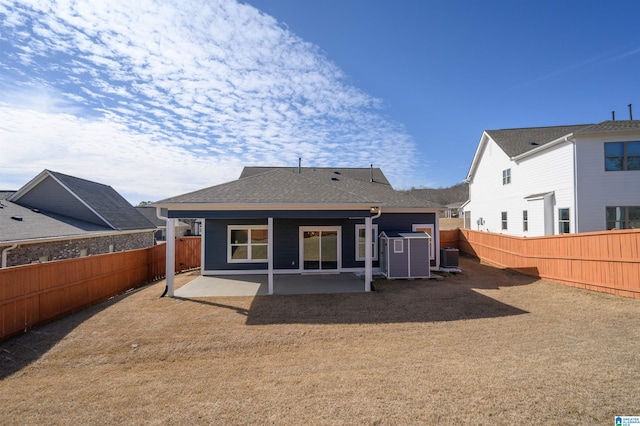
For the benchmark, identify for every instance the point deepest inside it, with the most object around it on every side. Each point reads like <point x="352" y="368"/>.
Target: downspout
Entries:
<point x="575" y="186"/>
<point x="166" y="219"/>
<point x="4" y="254"/>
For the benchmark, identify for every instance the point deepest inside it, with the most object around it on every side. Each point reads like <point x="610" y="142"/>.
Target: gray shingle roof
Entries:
<point x="617" y="126"/>
<point x="276" y="185"/>
<point x="358" y="173"/>
<point x="40" y="224"/>
<point x="515" y="142"/>
<point x="80" y="199"/>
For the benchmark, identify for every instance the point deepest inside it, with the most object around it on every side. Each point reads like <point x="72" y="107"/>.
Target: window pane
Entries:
<point x="634" y="213"/>
<point x="633" y="148"/>
<point x="361" y="248"/>
<point x="613" y="163"/>
<point x="633" y="163"/>
<point x="614" y="149"/>
<point x="239" y="252"/>
<point x="239" y="236"/>
<point x="259" y="236"/>
<point x="564" y="214"/>
<point x="258" y="252"/>
<point x="614" y="213"/>
<point x="564" y="227"/>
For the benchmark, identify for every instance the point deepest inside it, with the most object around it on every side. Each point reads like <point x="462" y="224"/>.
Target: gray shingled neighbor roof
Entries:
<point x="278" y="185"/>
<point x="617" y="126"/>
<point x="19" y="223"/>
<point x="515" y="142"/>
<point x="83" y="199"/>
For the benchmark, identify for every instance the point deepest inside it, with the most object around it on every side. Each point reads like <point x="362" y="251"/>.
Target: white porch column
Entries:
<point x="270" y="252"/>
<point x="368" y="262"/>
<point x="171" y="255"/>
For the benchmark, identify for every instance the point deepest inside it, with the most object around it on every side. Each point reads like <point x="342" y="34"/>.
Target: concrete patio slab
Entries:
<point x="257" y="285"/>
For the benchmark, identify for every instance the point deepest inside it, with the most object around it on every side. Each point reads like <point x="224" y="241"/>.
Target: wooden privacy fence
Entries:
<point x="38" y="293"/>
<point x="449" y="238"/>
<point x="606" y="261"/>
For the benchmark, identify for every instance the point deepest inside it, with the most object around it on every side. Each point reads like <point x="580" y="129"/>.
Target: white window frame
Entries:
<point x="432" y="240"/>
<point x="374" y="241"/>
<point x="400" y="248"/>
<point x="506" y="176"/>
<point x="248" y="228"/>
<point x="562" y="221"/>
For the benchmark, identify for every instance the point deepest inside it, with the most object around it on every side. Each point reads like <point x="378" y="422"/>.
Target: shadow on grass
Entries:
<point x="20" y="350"/>
<point x="451" y="299"/>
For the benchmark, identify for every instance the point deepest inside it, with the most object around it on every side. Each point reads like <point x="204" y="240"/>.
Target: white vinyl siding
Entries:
<point x="597" y="188"/>
<point x="549" y="171"/>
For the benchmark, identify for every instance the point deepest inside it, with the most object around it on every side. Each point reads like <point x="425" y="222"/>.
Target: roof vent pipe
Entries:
<point x="613" y="116"/>
<point x="630" y="113"/>
<point x="372" y="173"/>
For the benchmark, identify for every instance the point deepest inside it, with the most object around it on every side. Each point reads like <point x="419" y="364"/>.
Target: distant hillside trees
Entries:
<point x="453" y="194"/>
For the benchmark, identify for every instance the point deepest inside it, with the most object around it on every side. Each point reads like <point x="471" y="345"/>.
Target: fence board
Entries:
<point x="602" y="261"/>
<point x="37" y="293"/>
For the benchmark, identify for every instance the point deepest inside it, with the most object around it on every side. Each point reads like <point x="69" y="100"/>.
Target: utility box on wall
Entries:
<point x="405" y="254"/>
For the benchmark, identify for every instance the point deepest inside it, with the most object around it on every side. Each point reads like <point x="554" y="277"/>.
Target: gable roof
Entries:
<point x="311" y="187"/>
<point x="519" y="143"/>
<point x="516" y="142"/>
<point x="23" y="224"/>
<point x="80" y="199"/>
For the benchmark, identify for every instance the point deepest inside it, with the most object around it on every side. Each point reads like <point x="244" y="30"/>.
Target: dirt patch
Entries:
<point x="482" y="347"/>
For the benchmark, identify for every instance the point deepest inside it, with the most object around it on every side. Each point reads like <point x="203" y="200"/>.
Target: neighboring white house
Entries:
<point x="554" y="180"/>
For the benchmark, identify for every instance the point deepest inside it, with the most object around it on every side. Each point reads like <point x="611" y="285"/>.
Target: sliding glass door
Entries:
<point x="320" y="248"/>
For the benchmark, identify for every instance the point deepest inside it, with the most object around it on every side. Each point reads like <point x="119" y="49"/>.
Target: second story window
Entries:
<point x="620" y="156"/>
<point x="504" y="220"/>
<point x="525" y="220"/>
<point x="506" y="176"/>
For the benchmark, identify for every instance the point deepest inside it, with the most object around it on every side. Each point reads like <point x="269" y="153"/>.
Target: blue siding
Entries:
<point x="287" y="238"/>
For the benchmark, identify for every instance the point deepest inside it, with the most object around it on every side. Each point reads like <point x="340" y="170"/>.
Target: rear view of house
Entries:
<point x="302" y="221"/>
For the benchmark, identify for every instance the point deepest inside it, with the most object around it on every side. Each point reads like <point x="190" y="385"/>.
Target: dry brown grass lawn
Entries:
<point x="482" y="347"/>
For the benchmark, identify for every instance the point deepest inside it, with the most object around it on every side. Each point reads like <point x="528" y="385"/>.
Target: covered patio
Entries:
<point x="258" y="285"/>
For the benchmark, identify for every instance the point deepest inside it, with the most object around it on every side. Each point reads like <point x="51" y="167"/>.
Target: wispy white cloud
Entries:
<point x="156" y="99"/>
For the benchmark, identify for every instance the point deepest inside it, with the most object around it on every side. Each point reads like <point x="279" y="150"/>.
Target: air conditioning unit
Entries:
<point x="449" y="257"/>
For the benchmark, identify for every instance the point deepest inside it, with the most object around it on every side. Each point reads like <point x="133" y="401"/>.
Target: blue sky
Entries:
<point x="156" y="99"/>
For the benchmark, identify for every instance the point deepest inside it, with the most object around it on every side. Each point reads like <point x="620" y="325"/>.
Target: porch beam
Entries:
<point x="368" y="260"/>
<point x="270" y="253"/>
<point x="170" y="255"/>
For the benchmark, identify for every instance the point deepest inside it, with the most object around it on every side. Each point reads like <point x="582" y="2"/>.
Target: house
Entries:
<point x="56" y="216"/>
<point x="278" y="220"/>
<point x="555" y="180"/>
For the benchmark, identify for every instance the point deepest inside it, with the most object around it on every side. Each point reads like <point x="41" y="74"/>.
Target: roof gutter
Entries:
<point x="4" y="254"/>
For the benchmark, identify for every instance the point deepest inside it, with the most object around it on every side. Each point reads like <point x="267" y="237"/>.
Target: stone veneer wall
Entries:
<point x="69" y="249"/>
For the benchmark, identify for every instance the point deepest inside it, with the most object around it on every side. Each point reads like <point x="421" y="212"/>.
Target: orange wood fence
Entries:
<point x="38" y="293"/>
<point x="606" y="261"/>
<point x="449" y="238"/>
